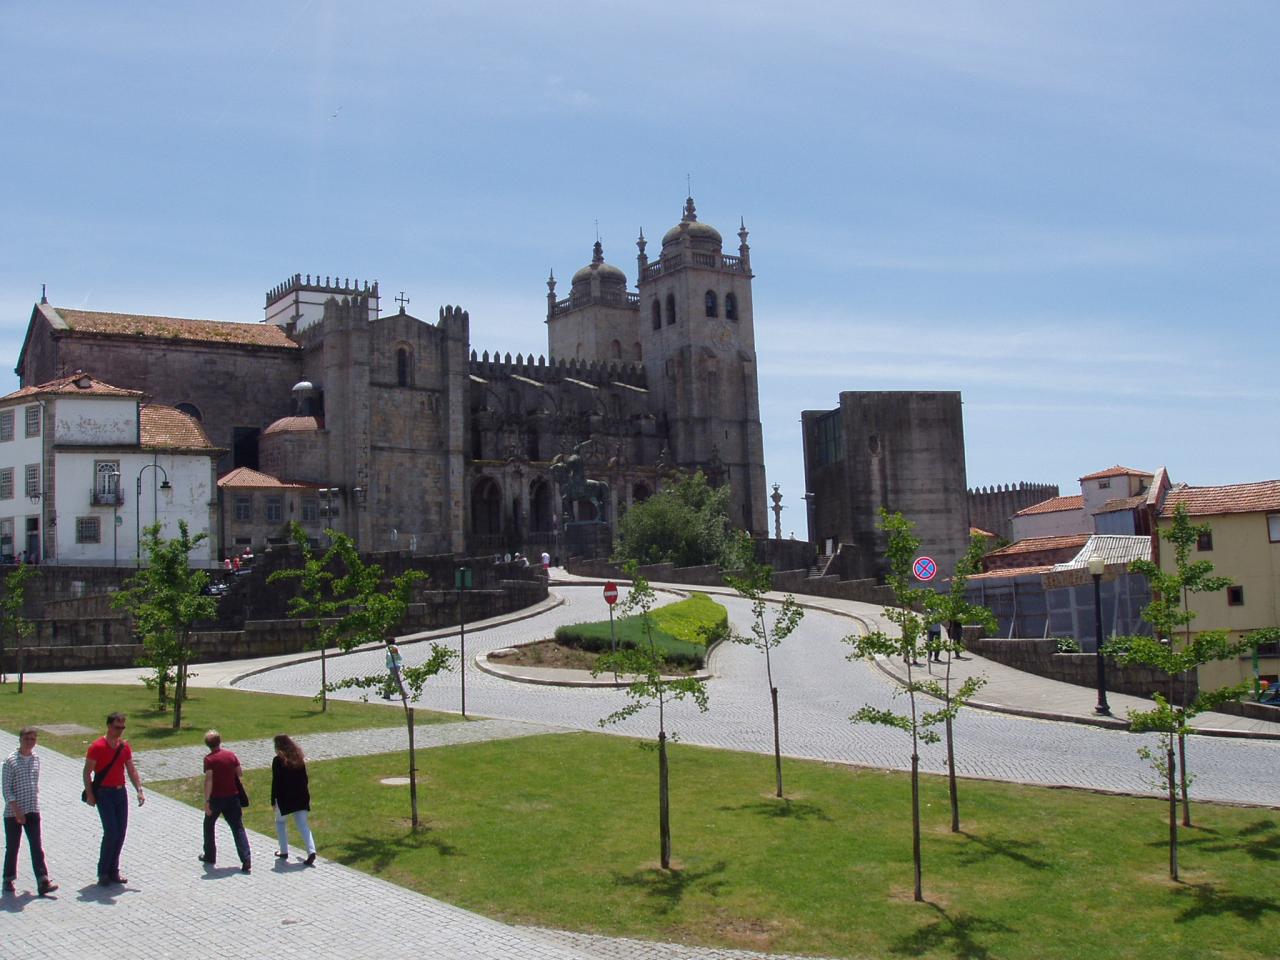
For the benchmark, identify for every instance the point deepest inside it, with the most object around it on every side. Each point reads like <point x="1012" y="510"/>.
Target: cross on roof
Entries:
<point x="402" y="300"/>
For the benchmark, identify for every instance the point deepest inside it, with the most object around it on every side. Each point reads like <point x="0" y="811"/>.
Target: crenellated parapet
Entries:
<point x="595" y="372"/>
<point x="992" y="508"/>
<point x="337" y="286"/>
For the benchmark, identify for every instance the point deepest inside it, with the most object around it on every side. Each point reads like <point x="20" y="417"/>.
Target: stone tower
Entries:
<point x="697" y="342"/>
<point x="597" y="321"/>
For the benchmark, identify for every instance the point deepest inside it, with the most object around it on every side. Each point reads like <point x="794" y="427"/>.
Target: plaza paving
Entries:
<point x="174" y="908"/>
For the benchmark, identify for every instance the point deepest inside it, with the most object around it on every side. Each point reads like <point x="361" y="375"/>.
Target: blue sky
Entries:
<point x="1067" y="211"/>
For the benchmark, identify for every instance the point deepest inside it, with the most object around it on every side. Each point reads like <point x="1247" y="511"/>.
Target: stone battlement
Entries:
<point x="593" y="372"/>
<point x="332" y="285"/>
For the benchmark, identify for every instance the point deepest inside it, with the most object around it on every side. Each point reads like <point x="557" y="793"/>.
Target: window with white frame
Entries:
<point x="33" y="420"/>
<point x="33" y="479"/>
<point x="6" y="483"/>
<point x="310" y="510"/>
<point x="106" y="481"/>
<point x="6" y="426"/>
<point x="275" y="509"/>
<point x="1273" y="527"/>
<point x="244" y="507"/>
<point x="6" y="537"/>
<point x="88" y="530"/>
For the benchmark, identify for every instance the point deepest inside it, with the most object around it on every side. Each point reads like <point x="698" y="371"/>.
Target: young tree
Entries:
<point x="1178" y="657"/>
<point x="910" y="617"/>
<point x="165" y="599"/>
<point x="752" y="583"/>
<point x="315" y="603"/>
<point x="954" y="610"/>
<point x="371" y="614"/>
<point x="12" y="620"/>
<point x="648" y="687"/>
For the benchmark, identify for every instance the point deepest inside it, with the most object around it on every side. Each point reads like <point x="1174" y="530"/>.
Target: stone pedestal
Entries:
<point x="588" y="540"/>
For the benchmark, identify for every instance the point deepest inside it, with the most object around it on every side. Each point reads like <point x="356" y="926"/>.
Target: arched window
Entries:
<point x="671" y="309"/>
<point x="657" y="315"/>
<point x="730" y="307"/>
<point x="710" y="300"/>
<point x="404" y="366"/>
<point x="190" y="409"/>
<point x="635" y="349"/>
<point x="615" y="350"/>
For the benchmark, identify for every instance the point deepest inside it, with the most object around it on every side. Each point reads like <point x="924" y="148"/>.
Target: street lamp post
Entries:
<point x="137" y="506"/>
<point x="115" y="516"/>
<point x="1097" y="566"/>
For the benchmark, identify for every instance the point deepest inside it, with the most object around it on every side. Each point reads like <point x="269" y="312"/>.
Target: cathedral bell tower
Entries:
<point x="697" y="338"/>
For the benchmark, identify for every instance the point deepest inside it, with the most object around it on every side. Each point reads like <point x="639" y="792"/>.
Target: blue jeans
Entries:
<point x="13" y="841"/>
<point x="228" y="807"/>
<point x="113" y="811"/>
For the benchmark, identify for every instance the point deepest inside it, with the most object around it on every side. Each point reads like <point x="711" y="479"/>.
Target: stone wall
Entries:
<point x="992" y="508"/>
<point x="1041" y="658"/>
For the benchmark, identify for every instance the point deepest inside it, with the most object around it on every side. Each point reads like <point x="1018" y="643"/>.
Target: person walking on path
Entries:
<point x="109" y="758"/>
<point x="222" y="788"/>
<point x="290" y="795"/>
<point x="21" y="790"/>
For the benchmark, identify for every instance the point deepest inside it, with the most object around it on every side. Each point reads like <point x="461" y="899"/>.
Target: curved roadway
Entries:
<point x="818" y="690"/>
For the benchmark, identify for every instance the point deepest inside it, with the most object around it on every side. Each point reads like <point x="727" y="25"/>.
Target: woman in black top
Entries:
<point x="289" y="795"/>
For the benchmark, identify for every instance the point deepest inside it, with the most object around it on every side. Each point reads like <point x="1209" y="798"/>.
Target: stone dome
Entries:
<point x="607" y="272"/>
<point x="702" y="234"/>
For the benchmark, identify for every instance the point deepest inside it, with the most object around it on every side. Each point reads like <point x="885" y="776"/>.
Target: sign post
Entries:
<point x="611" y="597"/>
<point x="462" y="581"/>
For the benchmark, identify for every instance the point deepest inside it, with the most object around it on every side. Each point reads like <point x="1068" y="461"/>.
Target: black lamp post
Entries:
<point x="1097" y="565"/>
<point x="155" y="505"/>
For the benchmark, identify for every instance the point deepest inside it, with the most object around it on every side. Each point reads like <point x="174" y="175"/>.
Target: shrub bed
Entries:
<point x="682" y="631"/>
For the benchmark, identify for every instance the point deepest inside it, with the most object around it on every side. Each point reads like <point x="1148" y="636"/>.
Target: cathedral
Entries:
<point x="410" y="440"/>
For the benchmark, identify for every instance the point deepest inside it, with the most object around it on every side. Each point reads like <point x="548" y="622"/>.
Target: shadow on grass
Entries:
<point x="666" y="888"/>
<point x="981" y="849"/>
<point x="1260" y="840"/>
<point x="1208" y="900"/>
<point x="957" y="935"/>
<point x="375" y="854"/>
<point x="784" y="809"/>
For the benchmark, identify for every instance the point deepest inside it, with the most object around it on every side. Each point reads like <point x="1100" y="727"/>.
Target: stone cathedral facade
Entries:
<point x="392" y="429"/>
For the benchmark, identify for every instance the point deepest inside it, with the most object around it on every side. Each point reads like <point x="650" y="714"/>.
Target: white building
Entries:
<point x="85" y="466"/>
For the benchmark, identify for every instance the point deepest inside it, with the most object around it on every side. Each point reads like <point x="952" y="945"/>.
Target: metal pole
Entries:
<point x="462" y="644"/>
<point x="137" y="523"/>
<point x="1102" y="709"/>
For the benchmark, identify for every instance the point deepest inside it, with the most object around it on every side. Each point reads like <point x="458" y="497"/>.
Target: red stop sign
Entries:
<point x="611" y="593"/>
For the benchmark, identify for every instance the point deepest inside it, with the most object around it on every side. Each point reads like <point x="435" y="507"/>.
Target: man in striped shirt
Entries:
<point x="21" y="789"/>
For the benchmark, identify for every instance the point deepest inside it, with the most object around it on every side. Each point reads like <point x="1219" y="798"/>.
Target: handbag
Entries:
<point x="101" y="775"/>
<point x="244" y="797"/>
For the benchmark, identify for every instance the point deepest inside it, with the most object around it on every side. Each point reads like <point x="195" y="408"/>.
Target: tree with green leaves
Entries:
<point x="954" y="610"/>
<point x="315" y="602"/>
<point x="1178" y="653"/>
<point x="647" y="686"/>
<point x="166" y="599"/>
<point x="371" y="611"/>
<point x="752" y="582"/>
<point x="685" y="523"/>
<point x="13" y="622"/>
<point x="910" y="616"/>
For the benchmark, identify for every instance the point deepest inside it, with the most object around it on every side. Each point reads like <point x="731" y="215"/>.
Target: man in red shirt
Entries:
<point x="222" y="775"/>
<point x="108" y="760"/>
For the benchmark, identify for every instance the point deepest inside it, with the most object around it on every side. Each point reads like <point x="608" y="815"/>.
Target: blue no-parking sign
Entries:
<point x="924" y="568"/>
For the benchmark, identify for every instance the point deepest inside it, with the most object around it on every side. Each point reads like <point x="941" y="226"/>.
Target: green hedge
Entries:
<point x="682" y="631"/>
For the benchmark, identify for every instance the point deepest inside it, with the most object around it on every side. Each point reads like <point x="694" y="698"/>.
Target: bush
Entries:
<point x="682" y="631"/>
<point x="1068" y="645"/>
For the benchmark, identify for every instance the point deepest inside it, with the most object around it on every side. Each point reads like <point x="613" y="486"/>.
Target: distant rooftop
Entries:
<point x="173" y="328"/>
<point x="1117" y="471"/>
<point x="1053" y="505"/>
<point x="1231" y="498"/>
<point x="78" y="384"/>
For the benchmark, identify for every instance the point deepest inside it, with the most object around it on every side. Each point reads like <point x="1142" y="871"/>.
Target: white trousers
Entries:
<point x="304" y="830"/>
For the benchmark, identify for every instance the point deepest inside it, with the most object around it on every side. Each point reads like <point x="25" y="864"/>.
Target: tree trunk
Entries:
<point x="21" y="665"/>
<point x="1182" y="778"/>
<point x="1173" y="812"/>
<point x="951" y="780"/>
<point x="664" y="805"/>
<point x="324" y="684"/>
<point x="915" y="823"/>
<point x="413" y="766"/>
<point x="178" y="694"/>
<point x="777" y="743"/>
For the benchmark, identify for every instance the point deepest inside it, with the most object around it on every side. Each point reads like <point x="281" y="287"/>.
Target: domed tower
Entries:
<point x="697" y="338"/>
<point x="598" y="320"/>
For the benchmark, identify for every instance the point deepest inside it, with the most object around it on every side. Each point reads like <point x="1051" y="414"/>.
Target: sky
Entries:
<point x="1066" y="211"/>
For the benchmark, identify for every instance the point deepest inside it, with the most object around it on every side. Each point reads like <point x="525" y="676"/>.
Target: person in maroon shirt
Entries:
<point x="222" y="798"/>
<point x="113" y="755"/>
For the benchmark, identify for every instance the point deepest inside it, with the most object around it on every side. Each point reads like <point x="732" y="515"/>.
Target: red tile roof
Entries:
<point x="246" y="478"/>
<point x="1117" y="471"/>
<point x="294" y="425"/>
<point x="1072" y="541"/>
<point x="1053" y="505"/>
<point x="1011" y="572"/>
<point x="175" y="328"/>
<point x="978" y="531"/>
<point x="78" y="384"/>
<point x="164" y="428"/>
<point x="1123" y="503"/>
<point x="1232" y="498"/>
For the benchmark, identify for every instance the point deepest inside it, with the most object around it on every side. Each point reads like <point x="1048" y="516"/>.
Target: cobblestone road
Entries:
<point x="818" y="690"/>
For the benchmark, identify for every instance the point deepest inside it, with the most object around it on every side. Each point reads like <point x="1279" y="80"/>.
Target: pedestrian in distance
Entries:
<point x="290" y="795"/>
<point x="935" y="642"/>
<point x="21" y="791"/>
<point x="223" y="797"/>
<point x="107" y="761"/>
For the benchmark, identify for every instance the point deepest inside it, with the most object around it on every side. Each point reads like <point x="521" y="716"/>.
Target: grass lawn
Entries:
<point x="562" y="831"/>
<point x="237" y="714"/>
<point x="680" y="630"/>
